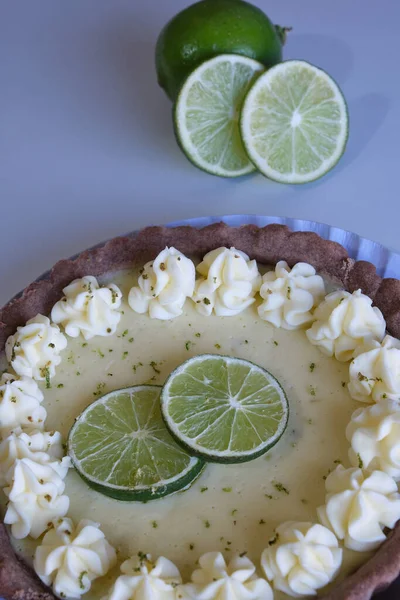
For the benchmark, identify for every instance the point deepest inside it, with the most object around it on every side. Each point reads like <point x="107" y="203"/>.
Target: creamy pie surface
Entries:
<point x="230" y="508"/>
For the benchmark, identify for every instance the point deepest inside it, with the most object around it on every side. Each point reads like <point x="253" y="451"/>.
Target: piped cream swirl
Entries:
<point x="228" y="283"/>
<point x="88" y="309"/>
<point x="290" y="295"/>
<point x="163" y="285"/>
<point x="344" y="322"/>
<point x="34" y="350"/>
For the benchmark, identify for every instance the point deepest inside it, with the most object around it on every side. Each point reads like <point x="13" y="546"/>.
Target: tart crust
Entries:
<point x="267" y="245"/>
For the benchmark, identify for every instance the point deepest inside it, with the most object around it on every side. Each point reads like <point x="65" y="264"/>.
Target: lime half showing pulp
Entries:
<point x="207" y="114"/>
<point x="294" y="122"/>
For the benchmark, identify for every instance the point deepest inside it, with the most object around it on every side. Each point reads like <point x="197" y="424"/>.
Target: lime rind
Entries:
<point x="228" y="411"/>
<point x="120" y="446"/>
<point x="206" y="114"/>
<point x="294" y="123"/>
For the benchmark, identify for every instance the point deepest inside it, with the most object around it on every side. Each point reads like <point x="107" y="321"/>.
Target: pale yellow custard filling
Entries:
<point x="230" y="508"/>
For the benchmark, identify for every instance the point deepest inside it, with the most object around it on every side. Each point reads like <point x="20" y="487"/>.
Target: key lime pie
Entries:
<point x="201" y="414"/>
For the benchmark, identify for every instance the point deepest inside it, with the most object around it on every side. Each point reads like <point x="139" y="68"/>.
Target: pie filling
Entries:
<point x="233" y="509"/>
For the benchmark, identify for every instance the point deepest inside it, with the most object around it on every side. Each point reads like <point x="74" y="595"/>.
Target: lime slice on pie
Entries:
<point x="120" y="446"/>
<point x="224" y="409"/>
<point x="207" y="114"/>
<point x="294" y="122"/>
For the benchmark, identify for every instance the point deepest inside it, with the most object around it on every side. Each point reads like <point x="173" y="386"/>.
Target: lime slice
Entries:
<point x="224" y="409"/>
<point x="294" y="122"/>
<point x="207" y="114"/>
<point x="120" y="446"/>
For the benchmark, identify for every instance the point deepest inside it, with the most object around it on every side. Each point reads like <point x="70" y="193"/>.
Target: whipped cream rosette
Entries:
<point x="359" y="506"/>
<point x="34" y="350"/>
<point x="88" y="308"/>
<point x="344" y="322"/>
<point x="301" y="558"/>
<point x="217" y="580"/>
<point x="35" y="495"/>
<point x="71" y="557"/>
<point x="163" y="285"/>
<point x="20" y="404"/>
<point x="143" y="579"/>
<point x="375" y="371"/>
<point x="228" y="283"/>
<point x="374" y="435"/>
<point x="290" y="295"/>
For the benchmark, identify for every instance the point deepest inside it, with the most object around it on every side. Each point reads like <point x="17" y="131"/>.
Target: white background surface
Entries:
<point x="86" y="143"/>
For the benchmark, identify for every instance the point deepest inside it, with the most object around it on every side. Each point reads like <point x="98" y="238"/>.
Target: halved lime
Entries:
<point x="120" y="446"/>
<point x="207" y="114"/>
<point x="294" y="122"/>
<point x="224" y="409"/>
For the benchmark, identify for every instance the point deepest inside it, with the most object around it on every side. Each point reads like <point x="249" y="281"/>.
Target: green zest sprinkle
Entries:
<point x="191" y="546"/>
<point x="187" y="345"/>
<point x="273" y="540"/>
<point x="100" y="353"/>
<point x="343" y="384"/>
<point x="227" y="489"/>
<point x="154" y="524"/>
<point x="289" y="290"/>
<point x="309" y="421"/>
<point x="360" y="461"/>
<point x="142" y="556"/>
<point x="197" y="334"/>
<point x="51" y="345"/>
<point x="125" y="354"/>
<point x="261" y="522"/>
<point x="362" y="377"/>
<point x="130" y="340"/>
<point x="203" y="489"/>
<point x="207" y="524"/>
<point x="233" y="513"/>
<point x="99" y="389"/>
<point x="206" y="301"/>
<point x="153" y="365"/>
<point x="268" y="496"/>
<point x="60" y="385"/>
<point x="281" y="488"/>
<point x="304" y="501"/>
<point x="312" y="390"/>
<point x="81" y="576"/>
<point x="84" y="344"/>
<point x="312" y="367"/>
<point x="337" y="461"/>
<point x="217" y="346"/>
<point x="276" y="343"/>
<point x="45" y="373"/>
<point x="243" y="554"/>
<point x="125" y="333"/>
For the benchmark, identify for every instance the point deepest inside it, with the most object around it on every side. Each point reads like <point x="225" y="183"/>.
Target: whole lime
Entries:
<point x="212" y="27"/>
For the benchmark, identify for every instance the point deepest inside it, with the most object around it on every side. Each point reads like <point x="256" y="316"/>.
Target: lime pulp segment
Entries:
<point x="207" y="114"/>
<point x="120" y="446"/>
<point x="294" y="122"/>
<point x="224" y="409"/>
